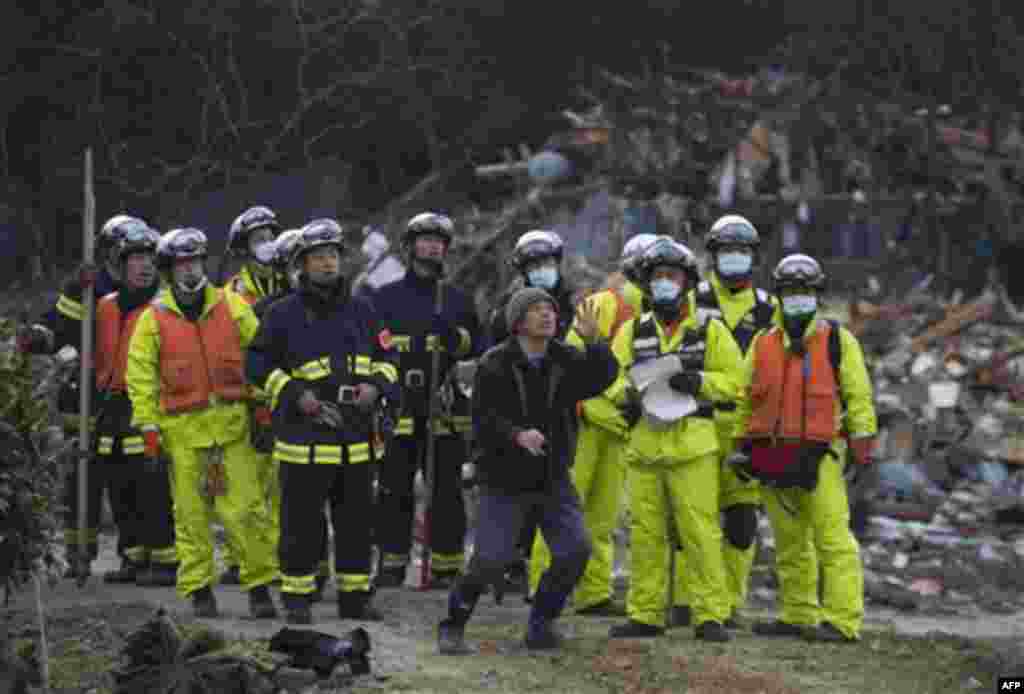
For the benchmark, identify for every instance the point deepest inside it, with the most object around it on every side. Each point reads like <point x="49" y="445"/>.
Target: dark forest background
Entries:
<point x="178" y="99"/>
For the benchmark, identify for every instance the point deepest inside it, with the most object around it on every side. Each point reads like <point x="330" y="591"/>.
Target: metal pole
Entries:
<point x="85" y="380"/>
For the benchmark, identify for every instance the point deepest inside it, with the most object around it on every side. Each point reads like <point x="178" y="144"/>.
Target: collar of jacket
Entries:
<point x="316" y="301"/>
<point x="812" y="327"/>
<point x="211" y="295"/>
<point x="422" y="283"/>
<point x="130" y="299"/>
<point x="252" y="283"/>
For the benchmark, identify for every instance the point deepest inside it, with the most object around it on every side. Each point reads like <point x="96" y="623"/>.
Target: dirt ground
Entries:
<point x="86" y="628"/>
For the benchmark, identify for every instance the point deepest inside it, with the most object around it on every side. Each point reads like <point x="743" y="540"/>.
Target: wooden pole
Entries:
<point x="85" y="381"/>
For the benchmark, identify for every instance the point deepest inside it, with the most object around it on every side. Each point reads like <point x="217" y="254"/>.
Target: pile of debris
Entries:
<point x="945" y="526"/>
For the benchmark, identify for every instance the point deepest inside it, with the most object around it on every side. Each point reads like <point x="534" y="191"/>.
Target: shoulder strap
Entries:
<point x="835" y="347"/>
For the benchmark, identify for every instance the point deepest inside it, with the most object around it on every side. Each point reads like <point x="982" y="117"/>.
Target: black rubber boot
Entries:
<point x="605" y="608"/>
<point x="541" y="635"/>
<point x="261" y="605"/>
<point x="126" y="574"/>
<point x="231" y="577"/>
<point x="712" y="631"/>
<point x="451" y="638"/>
<point x="163" y="575"/>
<point x="204" y="604"/>
<point x="356" y="605"/>
<point x="680" y="616"/>
<point x="778" y="628"/>
<point x="827" y="633"/>
<point x="297" y="608"/>
<point x="635" y="630"/>
<point x="391" y="577"/>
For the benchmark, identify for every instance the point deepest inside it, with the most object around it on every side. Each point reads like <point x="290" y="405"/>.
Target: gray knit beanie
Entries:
<point x="521" y="302"/>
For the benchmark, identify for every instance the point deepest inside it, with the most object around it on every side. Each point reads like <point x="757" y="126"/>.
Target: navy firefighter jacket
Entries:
<point x="405" y="309"/>
<point x="307" y="342"/>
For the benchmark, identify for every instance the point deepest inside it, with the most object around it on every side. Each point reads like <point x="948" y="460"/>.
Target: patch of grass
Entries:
<point x="881" y="663"/>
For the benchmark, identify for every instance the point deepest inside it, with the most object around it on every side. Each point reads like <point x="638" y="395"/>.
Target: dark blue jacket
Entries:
<point x="510" y="395"/>
<point x="405" y="308"/>
<point x="307" y="342"/>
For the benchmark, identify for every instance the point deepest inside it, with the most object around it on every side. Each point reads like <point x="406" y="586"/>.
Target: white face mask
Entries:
<point x="799" y="305"/>
<point x="543" y="277"/>
<point x="190" y="277"/>
<point x="734" y="263"/>
<point x="664" y="291"/>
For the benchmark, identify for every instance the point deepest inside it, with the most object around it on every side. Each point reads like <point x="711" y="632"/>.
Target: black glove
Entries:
<point x="632" y="410"/>
<point x="35" y="339"/>
<point x="687" y="382"/>
<point x="447" y="332"/>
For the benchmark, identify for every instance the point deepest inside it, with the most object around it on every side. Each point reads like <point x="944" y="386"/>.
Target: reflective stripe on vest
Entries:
<point x="758" y="318"/>
<point x="793" y="397"/>
<point x="199" y="361"/>
<point x="113" y="337"/>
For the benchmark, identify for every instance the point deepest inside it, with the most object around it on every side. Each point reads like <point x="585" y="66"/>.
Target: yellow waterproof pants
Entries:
<point x="272" y="524"/>
<point x="598" y="474"/>
<point x="812" y="529"/>
<point x="694" y="487"/>
<point x="738" y="562"/>
<point x="242" y="510"/>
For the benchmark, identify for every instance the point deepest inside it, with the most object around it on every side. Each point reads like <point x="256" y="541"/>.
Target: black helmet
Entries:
<point x="798" y="270"/>
<point x="253" y="218"/>
<point x="179" y="244"/>
<point x="534" y="245"/>
<point x="113" y="229"/>
<point x="137" y="239"/>
<point x="429" y="223"/>
<point x="667" y="251"/>
<point x="319" y="232"/>
<point x="732" y="230"/>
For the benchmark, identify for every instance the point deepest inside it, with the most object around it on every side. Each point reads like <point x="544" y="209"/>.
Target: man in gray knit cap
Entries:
<point x="524" y="426"/>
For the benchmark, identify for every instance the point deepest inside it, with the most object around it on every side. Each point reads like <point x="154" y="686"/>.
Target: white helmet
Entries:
<point x="632" y="252"/>
<point x="535" y="244"/>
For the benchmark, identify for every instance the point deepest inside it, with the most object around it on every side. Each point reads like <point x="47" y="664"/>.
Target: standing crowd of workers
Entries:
<point x="290" y="401"/>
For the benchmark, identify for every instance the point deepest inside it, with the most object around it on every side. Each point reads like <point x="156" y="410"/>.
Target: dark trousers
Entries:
<point x="347" y="490"/>
<point x="500" y="520"/>
<point x="396" y="504"/>
<point x="140" y="498"/>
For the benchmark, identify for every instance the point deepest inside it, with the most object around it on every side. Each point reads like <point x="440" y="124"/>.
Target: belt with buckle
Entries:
<point x="347" y="395"/>
<point x="415" y="378"/>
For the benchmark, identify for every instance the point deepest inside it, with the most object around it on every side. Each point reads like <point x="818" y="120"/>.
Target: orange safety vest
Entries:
<point x="792" y="397"/>
<point x="199" y="360"/>
<point x="623" y="312"/>
<point x="113" y="337"/>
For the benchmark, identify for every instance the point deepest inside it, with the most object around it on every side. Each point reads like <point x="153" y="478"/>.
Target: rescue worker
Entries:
<point x="537" y="257"/>
<point x="251" y="239"/>
<point x="524" y="422"/>
<point x="325" y="363"/>
<point x="729" y="295"/>
<point x="61" y="326"/>
<point x="793" y="388"/>
<point x="598" y="473"/>
<point x="190" y="399"/>
<point x="674" y="471"/>
<point x="138" y="487"/>
<point x="406" y="308"/>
